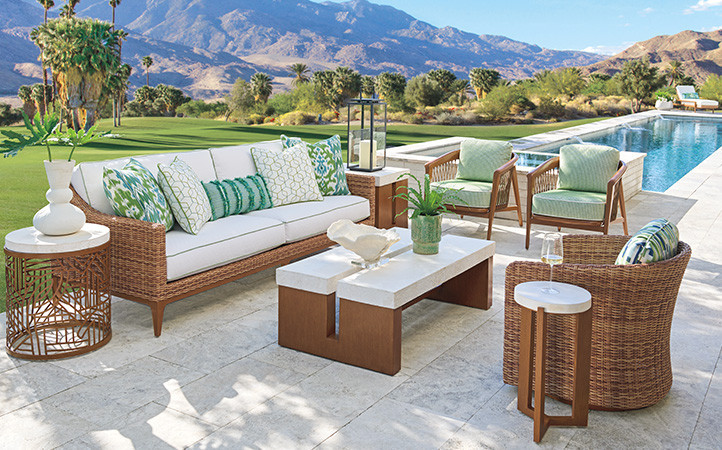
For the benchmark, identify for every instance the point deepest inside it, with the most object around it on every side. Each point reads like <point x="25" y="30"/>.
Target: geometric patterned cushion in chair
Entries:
<point x="569" y="204"/>
<point x="476" y="194"/>
<point x="587" y="167"/>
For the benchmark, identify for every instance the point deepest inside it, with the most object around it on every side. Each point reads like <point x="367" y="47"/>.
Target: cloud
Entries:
<point x="646" y="11"/>
<point x="608" y="50"/>
<point x="705" y="29"/>
<point x="702" y="5"/>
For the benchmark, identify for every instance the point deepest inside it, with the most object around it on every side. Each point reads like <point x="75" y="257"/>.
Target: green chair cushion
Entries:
<point x="654" y="242"/>
<point x="587" y="167"/>
<point x="478" y="159"/>
<point x="569" y="204"/>
<point x="476" y="194"/>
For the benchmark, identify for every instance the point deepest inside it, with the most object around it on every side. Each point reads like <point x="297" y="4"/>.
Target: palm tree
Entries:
<point x="47" y="4"/>
<point x="462" y="87"/>
<point x="483" y="80"/>
<point x="68" y="9"/>
<point x="261" y="86"/>
<point x="299" y="71"/>
<point x="675" y="72"/>
<point x="114" y="4"/>
<point x="147" y="61"/>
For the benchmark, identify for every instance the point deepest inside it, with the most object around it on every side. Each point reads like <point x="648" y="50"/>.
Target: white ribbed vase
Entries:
<point x="60" y="217"/>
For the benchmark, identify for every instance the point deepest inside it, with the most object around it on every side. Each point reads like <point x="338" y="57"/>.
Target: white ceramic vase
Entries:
<point x="664" y="105"/>
<point x="59" y="217"/>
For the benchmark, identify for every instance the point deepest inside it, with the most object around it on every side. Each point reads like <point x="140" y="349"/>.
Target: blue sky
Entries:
<point x="603" y="26"/>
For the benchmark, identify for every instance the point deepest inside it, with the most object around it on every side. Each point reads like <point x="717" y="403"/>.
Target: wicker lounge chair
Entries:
<point x="688" y="98"/>
<point x="592" y="209"/>
<point x="632" y="307"/>
<point x="484" y="197"/>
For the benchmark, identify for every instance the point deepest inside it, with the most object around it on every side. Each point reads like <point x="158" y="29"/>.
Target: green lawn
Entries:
<point x="24" y="182"/>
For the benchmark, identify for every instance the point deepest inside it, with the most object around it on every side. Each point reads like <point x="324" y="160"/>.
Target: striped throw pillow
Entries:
<point x="237" y="196"/>
<point x="654" y="242"/>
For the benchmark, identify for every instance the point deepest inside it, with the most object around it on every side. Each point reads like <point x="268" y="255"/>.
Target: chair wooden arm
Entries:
<point x="502" y="181"/>
<point x="614" y="190"/>
<point x="137" y="252"/>
<point x="444" y="167"/>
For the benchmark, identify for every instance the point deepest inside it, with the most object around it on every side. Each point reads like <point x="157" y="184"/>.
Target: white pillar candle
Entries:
<point x="367" y="157"/>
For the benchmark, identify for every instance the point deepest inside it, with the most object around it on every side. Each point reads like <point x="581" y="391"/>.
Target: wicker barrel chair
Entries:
<point x="632" y="307"/>
<point x="482" y="198"/>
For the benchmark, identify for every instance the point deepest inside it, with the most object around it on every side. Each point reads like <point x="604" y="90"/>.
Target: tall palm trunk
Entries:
<point x="115" y="106"/>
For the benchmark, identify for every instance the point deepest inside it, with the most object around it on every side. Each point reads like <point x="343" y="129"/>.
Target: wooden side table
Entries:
<point x="569" y="300"/>
<point x="387" y="185"/>
<point x="58" y="292"/>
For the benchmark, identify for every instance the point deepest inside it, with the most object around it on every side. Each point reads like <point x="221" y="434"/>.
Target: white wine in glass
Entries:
<point x="552" y="253"/>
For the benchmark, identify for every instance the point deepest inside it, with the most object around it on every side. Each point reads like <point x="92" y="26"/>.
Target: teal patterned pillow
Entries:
<point x="327" y="159"/>
<point x="654" y="242"/>
<point x="690" y="96"/>
<point x="185" y="194"/>
<point x="133" y="192"/>
<point x="237" y="196"/>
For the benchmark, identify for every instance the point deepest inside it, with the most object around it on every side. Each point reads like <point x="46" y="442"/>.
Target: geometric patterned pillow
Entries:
<point x="133" y="192"/>
<point x="185" y="193"/>
<point x="654" y="242"/>
<point x="327" y="159"/>
<point x="237" y="196"/>
<point x="288" y="173"/>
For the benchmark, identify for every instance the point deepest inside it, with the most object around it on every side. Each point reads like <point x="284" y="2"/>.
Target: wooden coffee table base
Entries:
<point x="368" y="336"/>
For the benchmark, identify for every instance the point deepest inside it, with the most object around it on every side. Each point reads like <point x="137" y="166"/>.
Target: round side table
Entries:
<point x="58" y="292"/>
<point x="570" y="299"/>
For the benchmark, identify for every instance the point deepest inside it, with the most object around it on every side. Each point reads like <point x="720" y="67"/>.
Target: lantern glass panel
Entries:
<point x="366" y="135"/>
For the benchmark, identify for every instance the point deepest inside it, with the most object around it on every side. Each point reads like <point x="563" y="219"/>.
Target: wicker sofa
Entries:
<point x="156" y="268"/>
<point x="632" y="308"/>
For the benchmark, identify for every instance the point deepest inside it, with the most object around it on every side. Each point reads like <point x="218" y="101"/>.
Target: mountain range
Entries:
<point x="202" y="46"/>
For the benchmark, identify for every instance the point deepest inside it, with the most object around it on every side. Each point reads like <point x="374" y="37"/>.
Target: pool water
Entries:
<point x="674" y="146"/>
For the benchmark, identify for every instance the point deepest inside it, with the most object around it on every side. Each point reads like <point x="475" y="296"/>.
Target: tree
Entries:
<point x="390" y="86"/>
<point x="147" y="61"/>
<point x="712" y="88"/>
<point x="116" y="87"/>
<point x="40" y="94"/>
<point x="114" y="4"/>
<point x="674" y="72"/>
<point x="81" y="53"/>
<point x="261" y="86"/>
<point x="300" y="73"/>
<point x="483" y="81"/>
<point x="638" y="80"/>
<point x="241" y="98"/>
<point x="423" y="91"/>
<point x="26" y="95"/>
<point x="566" y="81"/>
<point x="368" y="86"/>
<point x="462" y="88"/>
<point x="499" y="101"/>
<point x="9" y="115"/>
<point x="46" y="4"/>
<point x="346" y="85"/>
<point x="171" y="97"/>
<point x="445" y="79"/>
<point x="68" y="10"/>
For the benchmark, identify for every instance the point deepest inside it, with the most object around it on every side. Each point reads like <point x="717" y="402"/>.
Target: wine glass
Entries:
<point x="552" y="253"/>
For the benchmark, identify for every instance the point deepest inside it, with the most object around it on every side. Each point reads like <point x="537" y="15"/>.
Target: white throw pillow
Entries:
<point x="288" y="173"/>
<point x="185" y="194"/>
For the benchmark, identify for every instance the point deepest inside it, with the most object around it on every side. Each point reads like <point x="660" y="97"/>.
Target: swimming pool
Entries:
<point x="674" y="145"/>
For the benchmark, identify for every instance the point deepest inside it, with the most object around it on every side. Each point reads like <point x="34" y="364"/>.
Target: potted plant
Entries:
<point x="427" y="206"/>
<point x="59" y="217"/>
<point x="665" y="100"/>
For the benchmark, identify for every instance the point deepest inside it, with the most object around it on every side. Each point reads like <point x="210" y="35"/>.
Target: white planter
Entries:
<point x="60" y="217"/>
<point x="664" y="105"/>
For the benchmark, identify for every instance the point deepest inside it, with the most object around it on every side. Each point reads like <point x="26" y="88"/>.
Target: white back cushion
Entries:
<point x="87" y="177"/>
<point x="684" y="90"/>
<point x="236" y="161"/>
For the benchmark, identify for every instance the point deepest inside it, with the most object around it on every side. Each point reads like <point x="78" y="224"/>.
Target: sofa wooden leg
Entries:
<point x="528" y="231"/>
<point x="157" y="310"/>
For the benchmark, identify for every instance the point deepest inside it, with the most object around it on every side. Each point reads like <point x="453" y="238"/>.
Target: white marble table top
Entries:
<point x="385" y="176"/>
<point x="30" y="240"/>
<point x="571" y="299"/>
<point x="320" y="273"/>
<point x="407" y="276"/>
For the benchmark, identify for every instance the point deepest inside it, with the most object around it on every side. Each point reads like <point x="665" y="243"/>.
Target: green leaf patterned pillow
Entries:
<point x="237" y="196"/>
<point x="288" y="173"/>
<point x="654" y="242"/>
<point x="327" y="159"/>
<point x="185" y="194"/>
<point x="133" y="192"/>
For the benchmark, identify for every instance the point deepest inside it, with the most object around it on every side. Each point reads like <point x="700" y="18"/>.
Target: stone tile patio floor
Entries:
<point x="216" y="377"/>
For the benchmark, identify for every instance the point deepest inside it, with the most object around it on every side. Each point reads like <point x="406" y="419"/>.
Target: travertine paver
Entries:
<point x="216" y="378"/>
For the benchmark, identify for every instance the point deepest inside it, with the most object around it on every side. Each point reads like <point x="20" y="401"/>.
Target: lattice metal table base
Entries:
<point x="58" y="305"/>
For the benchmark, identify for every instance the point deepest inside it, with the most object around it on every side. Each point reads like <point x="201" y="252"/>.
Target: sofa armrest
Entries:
<point x="137" y="253"/>
<point x="363" y="186"/>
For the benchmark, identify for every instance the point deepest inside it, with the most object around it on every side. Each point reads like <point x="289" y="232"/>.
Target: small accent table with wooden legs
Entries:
<point x="569" y="300"/>
<point x="58" y="292"/>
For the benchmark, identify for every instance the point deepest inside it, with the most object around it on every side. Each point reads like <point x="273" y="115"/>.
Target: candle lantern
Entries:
<point x="366" y="134"/>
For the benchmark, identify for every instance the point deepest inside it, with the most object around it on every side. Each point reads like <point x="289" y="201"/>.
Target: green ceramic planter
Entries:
<point x="426" y="234"/>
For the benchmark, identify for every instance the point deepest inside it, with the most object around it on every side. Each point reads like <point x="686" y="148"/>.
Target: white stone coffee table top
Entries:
<point x="320" y="273"/>
<point x="407" y="276"/>
<point x="30" y="240"/>
<point x="385" y="176"/>
<point x="571" y="299"/>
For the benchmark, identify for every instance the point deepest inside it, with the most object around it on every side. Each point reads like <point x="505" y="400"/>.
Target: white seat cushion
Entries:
<point x="706" y="103"/>
<point x="303" y="220"/>
<point x="87" y="177"/>
<point x="237" y="162"/>
<point x="219" y="243"/>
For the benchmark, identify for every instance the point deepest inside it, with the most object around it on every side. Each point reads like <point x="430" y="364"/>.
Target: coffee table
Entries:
<point x="329" y="307"/>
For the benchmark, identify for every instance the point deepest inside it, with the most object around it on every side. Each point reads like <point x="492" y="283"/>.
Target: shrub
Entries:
<point x="500" y="100"/>
<point x="255" y="119"/>
<point x="269" y="120"/>
<point x="549" y="107"/>
<point x="329" y="116"/>
<point x="712" y="88"/>
<point x="9" y="115"/>
<point x="296" y="118"/>
<point x="611" y="106"/>
<point x="460" y="118"/>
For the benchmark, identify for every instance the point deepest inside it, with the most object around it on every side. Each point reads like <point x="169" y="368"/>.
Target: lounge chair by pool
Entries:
<point x="688" y="97"/>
